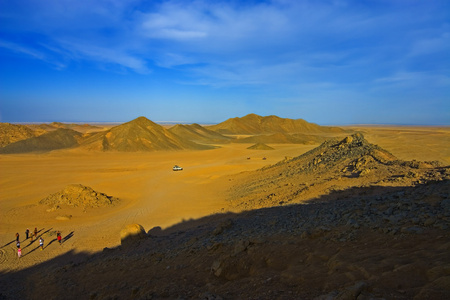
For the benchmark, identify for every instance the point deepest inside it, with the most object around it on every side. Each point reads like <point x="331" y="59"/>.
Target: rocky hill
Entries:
<point x="139" y="134"/>
<point x="254" y="124"/>
<point x="77" y="195"/>
<point x="336" y="165"/>
<point x="11" y="133"/>
<point x="54" y="140"/>
<point x="199" y="134"/>
<point x="360" y="224"/>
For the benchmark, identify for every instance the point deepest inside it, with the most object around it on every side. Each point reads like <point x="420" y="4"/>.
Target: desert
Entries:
<point x="222" y="150"/>
<point x="352" y="212"/>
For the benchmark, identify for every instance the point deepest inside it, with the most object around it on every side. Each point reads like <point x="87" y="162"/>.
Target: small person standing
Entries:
<point x="19" y="252"/>
<point x="41" y="242"/>
<point x="35" y="232"/>
<point x="26" y="233"/>
<point x="18" y="244"/>
<point x="17" y="236"/>
<point x="58" y="236"/>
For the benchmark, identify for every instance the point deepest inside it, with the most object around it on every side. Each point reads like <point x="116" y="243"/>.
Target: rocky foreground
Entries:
<point x="386" y="238"/>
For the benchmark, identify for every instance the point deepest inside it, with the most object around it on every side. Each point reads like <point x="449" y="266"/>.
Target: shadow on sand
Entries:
<point x="8" y="244"/>
<point x="67" y="237"/>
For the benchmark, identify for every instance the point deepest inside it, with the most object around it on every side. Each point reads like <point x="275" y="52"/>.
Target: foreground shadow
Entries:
<point x="211" y="229"/>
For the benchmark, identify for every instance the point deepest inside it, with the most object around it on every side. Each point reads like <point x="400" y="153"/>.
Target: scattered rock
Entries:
<point x="64" y="218"/>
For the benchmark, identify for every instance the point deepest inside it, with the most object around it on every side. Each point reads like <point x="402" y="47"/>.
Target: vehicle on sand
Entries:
<point x="177" y="168"/>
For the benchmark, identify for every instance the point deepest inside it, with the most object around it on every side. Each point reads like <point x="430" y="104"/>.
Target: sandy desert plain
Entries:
<point x="151" y="194"/>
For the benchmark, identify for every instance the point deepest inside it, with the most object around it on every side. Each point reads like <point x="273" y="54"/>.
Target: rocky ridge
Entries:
<point x="336" y="165"/>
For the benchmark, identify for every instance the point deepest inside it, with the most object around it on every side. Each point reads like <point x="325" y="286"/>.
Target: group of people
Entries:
<point x="33" y="236"/>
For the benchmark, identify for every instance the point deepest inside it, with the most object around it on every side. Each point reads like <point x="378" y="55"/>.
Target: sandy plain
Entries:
<point x="150" y="193"/>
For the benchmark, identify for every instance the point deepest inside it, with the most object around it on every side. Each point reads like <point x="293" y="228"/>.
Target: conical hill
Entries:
<point x="140" y="134"/>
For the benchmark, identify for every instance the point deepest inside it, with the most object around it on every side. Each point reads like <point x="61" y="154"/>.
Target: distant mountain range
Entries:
<point x="141" y="134"/>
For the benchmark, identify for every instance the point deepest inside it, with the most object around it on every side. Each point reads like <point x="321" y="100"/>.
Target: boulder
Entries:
<point x="132" y="234"/>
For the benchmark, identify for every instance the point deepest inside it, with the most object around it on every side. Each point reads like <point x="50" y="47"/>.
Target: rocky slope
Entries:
<point x="58" y="139"/>
<point x="335" y="166"/>
<point x="380" y="243"/>
<point x="11" y="133"/>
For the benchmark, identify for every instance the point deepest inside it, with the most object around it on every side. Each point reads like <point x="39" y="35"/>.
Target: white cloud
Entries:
<point x="105" y="55"/>
<point x="21" y="49"/>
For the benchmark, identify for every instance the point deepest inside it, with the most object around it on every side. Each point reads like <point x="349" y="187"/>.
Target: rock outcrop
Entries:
<point x="77" y="195"/>
<point x="336" y="165"/>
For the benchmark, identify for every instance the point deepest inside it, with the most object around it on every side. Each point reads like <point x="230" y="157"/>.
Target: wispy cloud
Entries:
<point x="32" y="53"/>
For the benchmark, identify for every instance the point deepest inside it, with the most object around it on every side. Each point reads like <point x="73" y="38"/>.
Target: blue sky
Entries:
<point x="328" y="62"/>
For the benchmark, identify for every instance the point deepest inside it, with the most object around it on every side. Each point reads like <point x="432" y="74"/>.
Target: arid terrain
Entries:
<point x="264" y="208"/>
